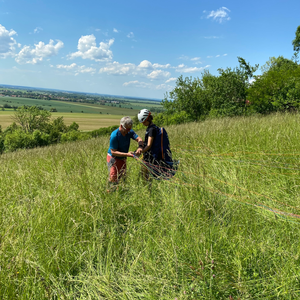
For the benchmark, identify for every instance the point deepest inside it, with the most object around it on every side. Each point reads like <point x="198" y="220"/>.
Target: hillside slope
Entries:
<point x="227" y="225"/>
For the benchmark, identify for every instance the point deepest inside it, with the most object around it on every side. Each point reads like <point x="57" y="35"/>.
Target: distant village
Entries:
<point x="60" y="96"/>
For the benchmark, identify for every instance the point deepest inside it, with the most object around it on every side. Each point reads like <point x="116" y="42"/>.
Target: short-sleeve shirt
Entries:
<point x="121" y="143"/>
<point x="151" y="131"/>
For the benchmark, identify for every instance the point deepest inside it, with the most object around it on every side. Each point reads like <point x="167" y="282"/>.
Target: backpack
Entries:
<point x="160" y="149"/>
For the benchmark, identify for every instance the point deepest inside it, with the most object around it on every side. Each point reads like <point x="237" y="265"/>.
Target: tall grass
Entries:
<point x="225" y="226"/>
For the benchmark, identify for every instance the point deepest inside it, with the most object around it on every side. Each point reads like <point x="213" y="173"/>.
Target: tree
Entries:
<point x="187" y="96"/>
<point x="32" y="118"/>
<point x="223" y="95"/>
<point x="277" y="64"/>
<point x="227" y="92"/>
<point x="296" y="44"/>
<point x="247" y="69"/>
<point x="278" y="89"/>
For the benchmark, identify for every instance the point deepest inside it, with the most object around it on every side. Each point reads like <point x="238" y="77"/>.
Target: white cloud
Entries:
<point x="219" y="15"/>
<point x="142" y="69"/>
<point x="130" y="35"/>
<point x="218" y="55"/>
<point x="145" y="64"/>
<point x="164" y="87"/>
<point x="116" y="68"/>
<point x="158" y="74"/>
<point x="115" y="30"/>
<point x="185" y="69"/>
<point x="166" y="66"/>
<point x="195" y="60"/>
<point x="77" y="69"/>
<point x="87" y="49"/>
<point x="84" y="69"/>
<point x="7" y="42"/>
<point x="37" y="30"/>
<point x="171" y="79"/>
<point x="145" y="85"/>
<point x="67" y="67"/>
<point x="148" y="70"/>
<point x="27" y="55"/>
<point x="148" y="65"/>
<point x="137" y="83"/>
<point x="184" y="57"/>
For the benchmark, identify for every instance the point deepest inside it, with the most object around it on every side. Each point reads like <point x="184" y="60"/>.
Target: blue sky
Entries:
<point x="137" y="48"/>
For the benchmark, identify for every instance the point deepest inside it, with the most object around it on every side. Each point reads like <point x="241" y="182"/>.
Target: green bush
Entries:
<point x="18" y="139"/>
<point x="73" y="126"/>
<point x="72" y="136"/>
<point x="103" y="131"/>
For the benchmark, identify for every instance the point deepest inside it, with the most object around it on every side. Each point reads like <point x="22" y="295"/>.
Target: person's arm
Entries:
<point x="149" y="145"/>
<point x="117" y="153"/>
<point x="140" y="148"/>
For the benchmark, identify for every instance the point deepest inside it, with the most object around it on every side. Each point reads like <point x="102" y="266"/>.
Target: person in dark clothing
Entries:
<point x="154" y="165"/>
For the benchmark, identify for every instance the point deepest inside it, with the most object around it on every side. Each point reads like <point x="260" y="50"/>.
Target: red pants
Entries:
<point x="116" y="168"/>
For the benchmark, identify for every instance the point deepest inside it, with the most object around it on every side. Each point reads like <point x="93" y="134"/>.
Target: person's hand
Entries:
<point x="138" y="152"/>
<point x="131" y="154"/>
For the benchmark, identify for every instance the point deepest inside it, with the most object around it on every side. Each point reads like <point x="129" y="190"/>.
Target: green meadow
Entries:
<point x="226" y="226"/>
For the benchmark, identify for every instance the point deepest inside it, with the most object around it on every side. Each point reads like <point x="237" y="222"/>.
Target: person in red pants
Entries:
<point x="118" y="150"/>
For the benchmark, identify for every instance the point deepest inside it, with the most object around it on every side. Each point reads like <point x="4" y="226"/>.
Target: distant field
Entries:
<point x="129" y="108"/>
<point x="85" y="121"/>
<point x="87" y="116"/>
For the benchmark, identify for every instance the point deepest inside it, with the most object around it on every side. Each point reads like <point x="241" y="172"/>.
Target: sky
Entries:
<point x="137" y="48"/>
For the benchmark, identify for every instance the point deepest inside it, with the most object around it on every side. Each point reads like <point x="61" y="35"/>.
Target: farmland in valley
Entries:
<point x="89" y="116"/>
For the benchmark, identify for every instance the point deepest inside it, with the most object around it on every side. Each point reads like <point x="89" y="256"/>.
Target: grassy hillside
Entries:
<point x="225" y="227"/>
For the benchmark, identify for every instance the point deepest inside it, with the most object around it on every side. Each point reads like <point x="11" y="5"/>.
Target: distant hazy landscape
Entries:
<point x="89" y="111"/>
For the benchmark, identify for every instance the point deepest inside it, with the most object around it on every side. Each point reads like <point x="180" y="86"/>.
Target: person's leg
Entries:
<point x="122" y="168"/>
<point x="116" y="169"/>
